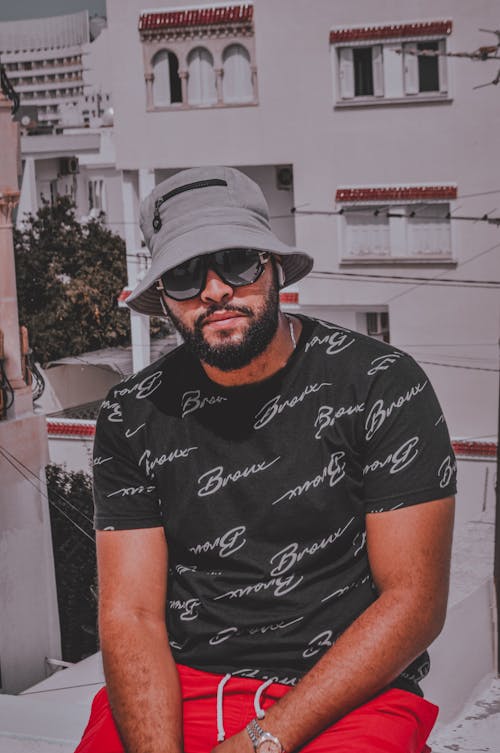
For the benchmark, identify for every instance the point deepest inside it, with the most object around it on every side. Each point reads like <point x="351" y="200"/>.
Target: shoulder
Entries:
<point x="138" y="390"/>
<point x="328" y="339"/>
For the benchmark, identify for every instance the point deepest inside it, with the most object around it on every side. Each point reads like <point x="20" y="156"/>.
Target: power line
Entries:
<point x="457" y="366"/>
<point x="5" y="454"/>
<point x="460" y="264"/>
<point x="448" y="281"/>
<point x="63" y="499"/>
<point x="377" y="211"/>
<point x="66" y="687"/>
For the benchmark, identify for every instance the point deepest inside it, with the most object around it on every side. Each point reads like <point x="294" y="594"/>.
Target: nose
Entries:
<point x="215" y="289"/>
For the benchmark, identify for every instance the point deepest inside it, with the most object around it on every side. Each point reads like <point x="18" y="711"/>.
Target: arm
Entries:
<point x="409" y="551"/>
<point x="141" y="676"/>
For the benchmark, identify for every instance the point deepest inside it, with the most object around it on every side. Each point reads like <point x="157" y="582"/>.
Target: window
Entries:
<point x="166" y="81"/>
<point x="97" y="199"/>
<point x="423" y="67"/>
<point x="377" y="325"/>
<point x="201" y="88"/>
<point x="391" y="63"/>
<point x="395" y="224"/>
<point x="237" y="75"/>
<point x="199" y="56"/>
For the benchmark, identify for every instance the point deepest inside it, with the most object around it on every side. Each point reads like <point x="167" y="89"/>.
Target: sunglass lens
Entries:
<point x="238" y="266"/>
<point x="185" y="280"/>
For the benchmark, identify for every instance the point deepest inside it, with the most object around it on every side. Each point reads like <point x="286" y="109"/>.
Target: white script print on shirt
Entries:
<point x="397" y="460"/>
<point x="213" y="480"/>
<point x="274" y="407"/>
<point x="333" y="473"/>
<point x="193" y="400"/>
<point x="226" y="545"/>
<point x="379" y="413"/>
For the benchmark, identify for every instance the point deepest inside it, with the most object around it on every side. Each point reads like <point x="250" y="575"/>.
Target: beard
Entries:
<point x="229" y="356"/>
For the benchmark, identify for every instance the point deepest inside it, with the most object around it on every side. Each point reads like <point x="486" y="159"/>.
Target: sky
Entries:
<point x="15" y="10"/>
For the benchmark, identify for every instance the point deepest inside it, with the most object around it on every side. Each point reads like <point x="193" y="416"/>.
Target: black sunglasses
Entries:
<point x="235" y="266"/>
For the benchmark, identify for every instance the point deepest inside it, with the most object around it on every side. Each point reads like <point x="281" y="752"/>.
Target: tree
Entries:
<point x="69" y="275"/>
<point x="71" y="509"/>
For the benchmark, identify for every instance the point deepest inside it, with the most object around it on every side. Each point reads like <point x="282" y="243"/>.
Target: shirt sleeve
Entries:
<point x="124" y="496"/>
<point x="408" y="453"/>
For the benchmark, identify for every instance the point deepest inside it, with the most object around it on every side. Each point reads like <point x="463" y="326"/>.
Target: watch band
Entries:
<point x="262" y="740"/>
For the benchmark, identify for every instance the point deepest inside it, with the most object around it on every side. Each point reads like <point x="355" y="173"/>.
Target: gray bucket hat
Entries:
<point x="202" y="210"/>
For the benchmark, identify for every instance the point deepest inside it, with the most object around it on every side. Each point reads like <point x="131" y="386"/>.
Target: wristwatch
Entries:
<point x="263" y="742"/>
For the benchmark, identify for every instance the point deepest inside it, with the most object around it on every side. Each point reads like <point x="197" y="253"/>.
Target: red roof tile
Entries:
<point x="420" y="29"/>
<point x="396" y="193"/>
<point x="206" y="16"/>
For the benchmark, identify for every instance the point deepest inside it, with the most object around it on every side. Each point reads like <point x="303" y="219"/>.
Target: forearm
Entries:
<point x="143" y="684"/>
<point x="364" y="660"/>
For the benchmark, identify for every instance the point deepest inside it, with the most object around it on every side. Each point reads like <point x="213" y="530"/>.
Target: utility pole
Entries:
<point x="28" y="601"/>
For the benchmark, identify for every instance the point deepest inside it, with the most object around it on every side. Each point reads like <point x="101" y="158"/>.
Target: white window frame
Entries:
<point x="399" y="232"/>
<point x="391" y="84"/>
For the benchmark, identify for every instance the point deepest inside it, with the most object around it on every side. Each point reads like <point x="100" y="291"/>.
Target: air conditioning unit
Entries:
<point x="69" y="166"/>
<point x="284" y="177"/>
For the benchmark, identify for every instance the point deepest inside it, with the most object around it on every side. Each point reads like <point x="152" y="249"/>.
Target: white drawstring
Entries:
<point x="256" y="701"/>
<point x="221" y="734"/>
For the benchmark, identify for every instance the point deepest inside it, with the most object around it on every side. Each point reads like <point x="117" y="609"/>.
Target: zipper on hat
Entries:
<point x="188" y="187"/>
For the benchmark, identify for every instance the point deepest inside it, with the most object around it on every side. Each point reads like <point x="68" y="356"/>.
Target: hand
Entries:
<point x="239" y="743"/>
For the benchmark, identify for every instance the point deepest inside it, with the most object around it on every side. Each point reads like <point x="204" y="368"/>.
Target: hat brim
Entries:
<point x="145" y="298"/>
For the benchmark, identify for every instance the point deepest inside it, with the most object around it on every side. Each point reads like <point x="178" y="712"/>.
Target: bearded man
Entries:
<point x="274" y="508"/>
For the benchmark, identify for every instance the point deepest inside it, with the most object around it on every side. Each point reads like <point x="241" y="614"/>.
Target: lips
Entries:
<point x="221" y="318"/>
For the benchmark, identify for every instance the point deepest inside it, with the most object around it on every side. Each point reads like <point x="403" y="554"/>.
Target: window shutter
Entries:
<point x="378" y="70"/>
<point x="443" y="66"/>
<point x="161" y="81"/>
<point x="237" y="78"/>
<point x="346" y="73"/>
<point x="410" y="68"/>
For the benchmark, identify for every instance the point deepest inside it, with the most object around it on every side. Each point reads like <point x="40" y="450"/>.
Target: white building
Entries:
<point x="60" y="67"/>
<point x="46" y="62"/>
<point x="368" y="141"/>
<point x="377" y="153"/>
<point x="373" y="147"/>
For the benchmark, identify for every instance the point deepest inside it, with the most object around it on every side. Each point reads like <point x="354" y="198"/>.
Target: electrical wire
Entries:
<point x="63" y="499"/>
<point x="448" y="281"/>
<point x="460" y="264"/>
<point x="5" y="454"/>
<point x="66" y="687"/>
<point x="457" y="366"/>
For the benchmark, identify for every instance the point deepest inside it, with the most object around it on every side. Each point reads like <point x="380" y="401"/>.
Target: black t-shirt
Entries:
<point x="263" y="490"/>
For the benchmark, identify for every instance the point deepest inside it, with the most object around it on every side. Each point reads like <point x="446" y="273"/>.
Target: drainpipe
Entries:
<point x="496" y="567"/>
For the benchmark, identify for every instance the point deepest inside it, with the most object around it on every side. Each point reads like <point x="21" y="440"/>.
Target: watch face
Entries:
<point x="269" y="746"/>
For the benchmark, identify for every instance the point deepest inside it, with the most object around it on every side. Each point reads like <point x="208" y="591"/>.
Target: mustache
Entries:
<point x="217" y="309"/>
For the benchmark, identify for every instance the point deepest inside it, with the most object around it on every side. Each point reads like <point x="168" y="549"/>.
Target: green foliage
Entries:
<point x="75" y="560"/>
<point x="69" y="276"/>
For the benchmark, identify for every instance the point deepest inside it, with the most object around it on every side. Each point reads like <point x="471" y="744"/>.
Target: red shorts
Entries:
<point x="393" y="722"/>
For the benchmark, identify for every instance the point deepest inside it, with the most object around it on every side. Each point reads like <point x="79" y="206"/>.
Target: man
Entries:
<point x="291" y="480"/>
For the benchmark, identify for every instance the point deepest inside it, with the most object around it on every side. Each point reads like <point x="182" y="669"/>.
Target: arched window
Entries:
<point x="237" y="78"/>
<point x="201" y="89"/>
<point x="166" y="82"/>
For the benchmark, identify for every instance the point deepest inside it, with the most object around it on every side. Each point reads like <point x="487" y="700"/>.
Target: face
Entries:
<point x="228" y="327"/>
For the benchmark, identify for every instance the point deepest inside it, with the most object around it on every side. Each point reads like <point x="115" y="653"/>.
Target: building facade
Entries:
<point x="371" y="144"/>
<point x="59" y="68"/>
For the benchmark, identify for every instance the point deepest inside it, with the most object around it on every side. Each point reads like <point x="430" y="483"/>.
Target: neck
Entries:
<point x="267" y="363"/>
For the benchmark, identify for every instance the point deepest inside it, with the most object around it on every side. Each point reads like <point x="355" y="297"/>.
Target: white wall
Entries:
<point x="296" y="122"/>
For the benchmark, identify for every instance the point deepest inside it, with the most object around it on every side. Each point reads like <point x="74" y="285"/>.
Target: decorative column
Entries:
<point x="149" y="78"/>
<point x="28" y="602"/>
<point x="218" y="83"/>
<point x="183" y="75"/>
<point x="139" y="324"/>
